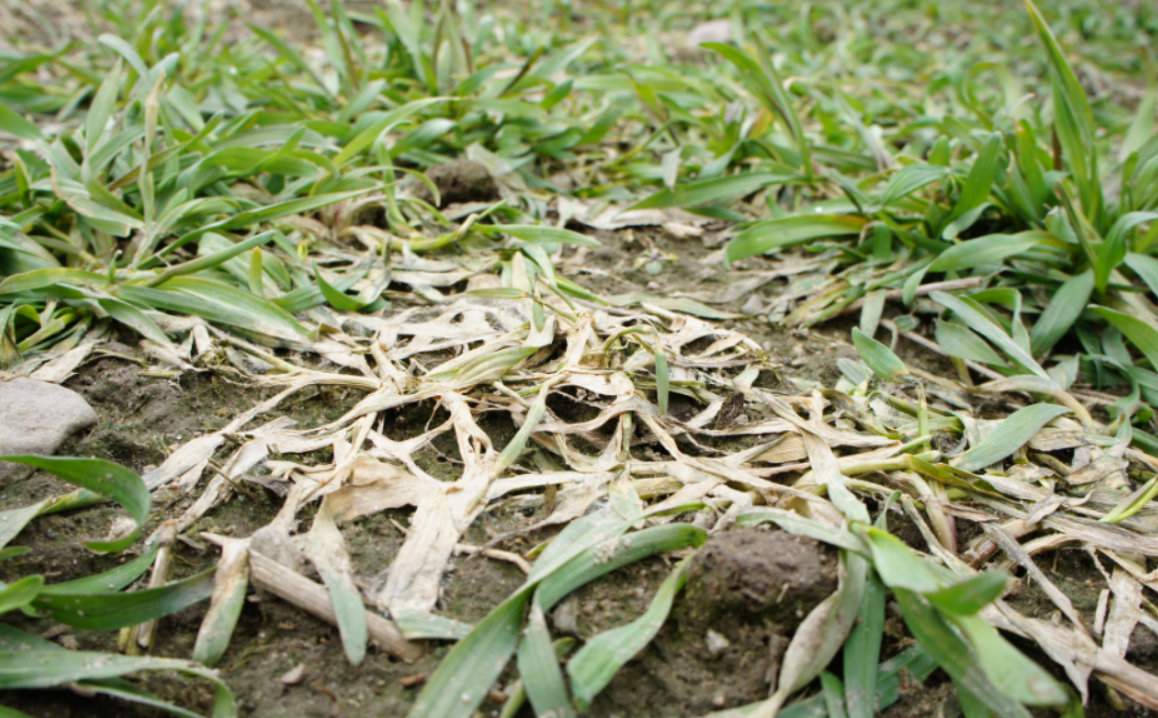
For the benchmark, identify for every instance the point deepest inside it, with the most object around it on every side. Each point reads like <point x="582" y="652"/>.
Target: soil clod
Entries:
<point x="460" y="181"/>
<point x="750" y="575"/>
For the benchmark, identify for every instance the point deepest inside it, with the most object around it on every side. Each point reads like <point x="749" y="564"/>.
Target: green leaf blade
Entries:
<point x="1014" y="432"/>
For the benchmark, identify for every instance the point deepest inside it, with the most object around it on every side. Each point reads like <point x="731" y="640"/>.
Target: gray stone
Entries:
<point x="36" y="416"/>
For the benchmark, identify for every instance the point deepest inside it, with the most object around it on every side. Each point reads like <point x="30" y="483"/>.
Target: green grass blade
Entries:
<point x="712" y="190"/>
<point x="580" y="535"/>
<point x="988" y="251"/>
<point x="1062" y="311"/>
<point x="1073" y="119"/>
<point x="975" y="191"/>
<point x="124" y="690"/>
<point x="27" y="661"/>
<point x="761" y="79"/>
<point x="13" y="521"/>
<point x="958" y="341"/>
<point x="135" y="319"/>
<point x="899" y="567"/>
<point x="383" y="124"/>
<point x="1008" y="669"/>
<point x="597" y="662"/>
<point x="19" y="593"/>
<point x="824" y="630"/>
<point x="832" y="689"/>
<point x="908" y="180"/>
<point x="772" y="234"/>
<point x="1133" y="503"/>
<point x="102" y="477"/>
<point x="266" y="213"/>
<point x="112" y="580"/>
<point x="350" y="612"/>
<point x="1142" y="128"/>
<point x="953" y="654"/>
<point x="591" y="564"/>
<point x="215" y="259"/>
<point x="107" y="611"/>
<point x="218" y="302"/>
<point x="337" y="298"/>
<point x="539" y="668"/>
<point x="419" y="624"/>
<point x="101" y="111"/>
<point x="882" y="360"/>
<point x="894" y="676"/>
<point x="48" y="277"/>
<point x="126" y="51"/>
<point x="987" y="328"/>
<point x="289" y="54"/>
<point x="970" y="595"/>
<point x="1009" y="436"/>
<point x="1141" y="334"/>
<point x="862" y="651"/>
<point x="14" y="124"/>
<point x="514" y="449"/>
<point x="798" y="525"/>
<point x="572" y="560"/>
<point x="1116" y="244"/>
<point x="537" y="234"/>
<point x="1146" y="267"/>
<point x="462" y="679"/>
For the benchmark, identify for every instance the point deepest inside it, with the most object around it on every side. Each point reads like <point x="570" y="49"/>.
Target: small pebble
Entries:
<point x="717" y="643"/>
<point x="565" y="618"/>
<point x="293" y="676"/>
<point x="414" y="679"/>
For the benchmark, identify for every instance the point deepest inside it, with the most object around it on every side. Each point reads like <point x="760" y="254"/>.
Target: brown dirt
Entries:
<point x="749" y="587"/>
<point x="142" y="419"/>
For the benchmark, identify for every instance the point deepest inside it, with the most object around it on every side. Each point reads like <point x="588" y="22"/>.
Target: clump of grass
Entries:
<point x="95" y="602"/>
<point x="1057" y="279"/>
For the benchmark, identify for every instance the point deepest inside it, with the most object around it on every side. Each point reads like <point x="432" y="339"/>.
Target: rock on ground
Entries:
<point x="36" y="416"/>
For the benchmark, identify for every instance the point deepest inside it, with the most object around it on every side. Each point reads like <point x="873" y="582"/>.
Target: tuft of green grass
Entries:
<point x="96" y="602"/>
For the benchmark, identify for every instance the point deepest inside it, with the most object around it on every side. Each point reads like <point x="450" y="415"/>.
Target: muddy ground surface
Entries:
<point x="747" y="591"/>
